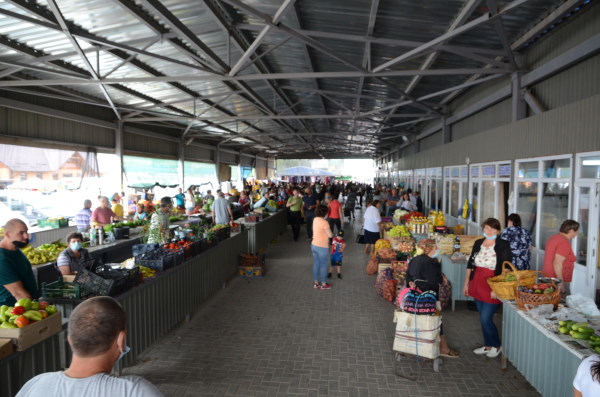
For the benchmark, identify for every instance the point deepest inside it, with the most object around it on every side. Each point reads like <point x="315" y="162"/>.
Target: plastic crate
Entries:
<point x="252" y="218"/>
<point x="159" y="260"/>
<point x="252" y="260"/>
<point x="61" y="289"/>
<point x="138" y="249"/>
<point x="251" y="271"/>
<point x="108" y="282"/>
<point x="177" y="254"/>
<point x="53" y="223"/>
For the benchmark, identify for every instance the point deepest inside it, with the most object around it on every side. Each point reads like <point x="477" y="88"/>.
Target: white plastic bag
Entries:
<point x="583" y="304"/>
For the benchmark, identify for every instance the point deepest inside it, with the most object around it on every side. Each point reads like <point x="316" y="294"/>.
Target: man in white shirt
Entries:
<point x="97" y="339"/>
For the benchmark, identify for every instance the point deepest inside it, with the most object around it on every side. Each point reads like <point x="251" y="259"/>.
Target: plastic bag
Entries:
<point x="541" y="313"/>
<point x="583" y="304"/>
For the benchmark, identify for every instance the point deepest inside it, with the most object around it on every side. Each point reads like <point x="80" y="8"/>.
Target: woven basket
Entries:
<point x="506" y="289"/>
<point x="526" y="300"/>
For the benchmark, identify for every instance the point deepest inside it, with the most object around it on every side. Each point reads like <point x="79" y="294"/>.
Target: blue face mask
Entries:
<point x="124" y="353"/>
<point x="437" y="253"/>
<point x="76" y="246"/>
<point x="490" y="238"/>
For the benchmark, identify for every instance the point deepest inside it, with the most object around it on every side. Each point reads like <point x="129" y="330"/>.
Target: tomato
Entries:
<point x="543" y="286"/>
<point x="21" y="321"/>
<point x="535" y="286"/>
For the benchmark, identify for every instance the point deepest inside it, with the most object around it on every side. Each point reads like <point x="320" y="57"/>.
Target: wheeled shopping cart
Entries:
<point x="418" y="336"/>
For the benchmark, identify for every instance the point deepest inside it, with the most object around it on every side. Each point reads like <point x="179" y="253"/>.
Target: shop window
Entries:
<point x="554" y="209"/>
<point x="454" y="198"/>
<point x="527" y="193"/>
<point x="582" y="217"/>
<point x="55" y="177"/>
<point x="558" y="168"/>
<point x="529" y="169"/>
<point x="590" y="167"/>
<point x="475" y="202"/>
<point x="488" y="199"/>
<point x="39" y="175"/>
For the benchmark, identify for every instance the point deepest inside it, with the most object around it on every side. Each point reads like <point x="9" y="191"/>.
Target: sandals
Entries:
<point x="450" y="354"/>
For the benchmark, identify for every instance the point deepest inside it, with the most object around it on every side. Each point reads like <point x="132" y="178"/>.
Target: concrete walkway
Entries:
<point x="277" y="336"/>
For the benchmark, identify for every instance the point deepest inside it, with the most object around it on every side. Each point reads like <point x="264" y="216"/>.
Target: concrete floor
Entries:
<point x="277" y="336"/>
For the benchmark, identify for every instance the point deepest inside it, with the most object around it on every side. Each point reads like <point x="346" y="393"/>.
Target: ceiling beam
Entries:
<point x="376" y="40"/>
<point x="61" y="21"/>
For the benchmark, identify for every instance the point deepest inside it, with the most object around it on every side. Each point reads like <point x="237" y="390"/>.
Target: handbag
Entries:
<point x="420" y="303"/>
<point x="445" y="293"/>
<point x="360" y="239"/>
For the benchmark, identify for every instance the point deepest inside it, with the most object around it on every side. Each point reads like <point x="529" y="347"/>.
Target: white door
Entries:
<point x="586" y="243"/>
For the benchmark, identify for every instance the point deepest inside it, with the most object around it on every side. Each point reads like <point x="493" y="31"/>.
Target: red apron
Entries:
<point x="479" y="288"/>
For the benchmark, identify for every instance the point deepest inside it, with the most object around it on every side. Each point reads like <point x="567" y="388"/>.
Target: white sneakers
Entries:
<point x="481" y="350"/>
<point x="492" y="352"/>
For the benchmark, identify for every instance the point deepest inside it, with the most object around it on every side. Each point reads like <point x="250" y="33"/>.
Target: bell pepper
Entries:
<point x="8" y="325"/>
<point x="17" y="310"/>
<point x="21" y="321"/>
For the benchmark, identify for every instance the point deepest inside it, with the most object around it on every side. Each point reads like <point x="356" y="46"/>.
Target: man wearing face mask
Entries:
<point x="16" y="277"/>
<point x="69" y="260"/>
<point x="97" y="338"/>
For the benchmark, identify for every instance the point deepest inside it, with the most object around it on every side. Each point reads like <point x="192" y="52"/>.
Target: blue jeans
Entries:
<point x="321" y="263"/>
<point x="486" y="317"/>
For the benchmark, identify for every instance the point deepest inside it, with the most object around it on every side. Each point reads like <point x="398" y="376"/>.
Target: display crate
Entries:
<point x="6" y="347"/>
<point x="178" y="255"/>
<point x="61" y="289"/>
<point x="252" y="218"/>
<point x="108" y="282"/>
<point x="252" y="259"/>
<point x="251" y="271"/>
<point x="31" y="334"/>
<point x="252" y="265"/>
<point x="53" y="223"/>
<point x="161" y="260"/>
<point x="138" y="249"/>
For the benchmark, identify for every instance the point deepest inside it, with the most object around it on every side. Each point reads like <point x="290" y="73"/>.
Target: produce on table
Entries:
<point x="399" y="231"/>
<point x="178" y="245"/>
<point x="537" y="289"/>
<point x="147" y="272"/>
<point x="44" y="253"/>
<point x="20" y="316"/>
<point x="410" y="215"/>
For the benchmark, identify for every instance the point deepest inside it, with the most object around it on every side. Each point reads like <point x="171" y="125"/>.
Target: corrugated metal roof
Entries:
<point x="319" y="81"/>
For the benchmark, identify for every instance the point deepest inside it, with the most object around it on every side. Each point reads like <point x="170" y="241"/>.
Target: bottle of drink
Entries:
<point x="93" y="238"/>
<point x="456" y="247"/>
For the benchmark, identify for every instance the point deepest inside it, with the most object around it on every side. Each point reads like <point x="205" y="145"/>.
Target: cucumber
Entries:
<point x="563" y="330"/>
<point x="581" y="335"/>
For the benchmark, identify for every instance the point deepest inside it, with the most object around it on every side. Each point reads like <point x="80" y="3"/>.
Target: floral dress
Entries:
<point x="520" y="241"/>
<point x="485" y="265"/>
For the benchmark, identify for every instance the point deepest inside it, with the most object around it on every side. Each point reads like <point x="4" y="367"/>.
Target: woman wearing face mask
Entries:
<point x="486" y="261"/>
<point x="425" y="273"/>
<point x="69" y="260"/>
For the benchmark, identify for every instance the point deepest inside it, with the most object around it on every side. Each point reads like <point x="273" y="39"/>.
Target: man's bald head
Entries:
<point x="12" y="224"/>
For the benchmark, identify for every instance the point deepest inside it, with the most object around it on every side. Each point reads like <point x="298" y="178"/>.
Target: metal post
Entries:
<point x="181" y="163"/>
<point x="119" y="150"/>
<point x="519" y="106"/>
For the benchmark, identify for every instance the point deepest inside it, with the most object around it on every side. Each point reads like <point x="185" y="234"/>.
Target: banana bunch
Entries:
<point x="44" y="253"/>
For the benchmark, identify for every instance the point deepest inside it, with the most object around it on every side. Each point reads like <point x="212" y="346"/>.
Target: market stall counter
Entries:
<point x="155" y="306"/>
<point x="547" y="360"/>
<point x="455" y="272"/>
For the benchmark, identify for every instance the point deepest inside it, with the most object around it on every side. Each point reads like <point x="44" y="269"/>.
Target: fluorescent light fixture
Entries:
<point x="591" y="162"/>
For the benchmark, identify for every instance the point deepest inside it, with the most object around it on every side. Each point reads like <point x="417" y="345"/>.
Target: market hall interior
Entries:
<point x="277" y="336"/>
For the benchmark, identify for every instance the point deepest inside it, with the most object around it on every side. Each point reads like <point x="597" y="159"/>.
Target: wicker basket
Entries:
<point x="506" y="289"/>
<point x="526" y="300"/>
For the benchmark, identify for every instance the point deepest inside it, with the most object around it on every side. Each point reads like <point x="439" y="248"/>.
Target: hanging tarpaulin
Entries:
<point x="144" y="170"/>
<point x="199" y="173"/>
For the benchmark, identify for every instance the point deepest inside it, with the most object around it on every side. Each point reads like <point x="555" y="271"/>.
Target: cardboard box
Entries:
<point x="418" y="335"/>
<point x="69" y="278"/>
<point x="6" y="348"/>
<point x="251" y="271"/>
<point x="30" y="335"/>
